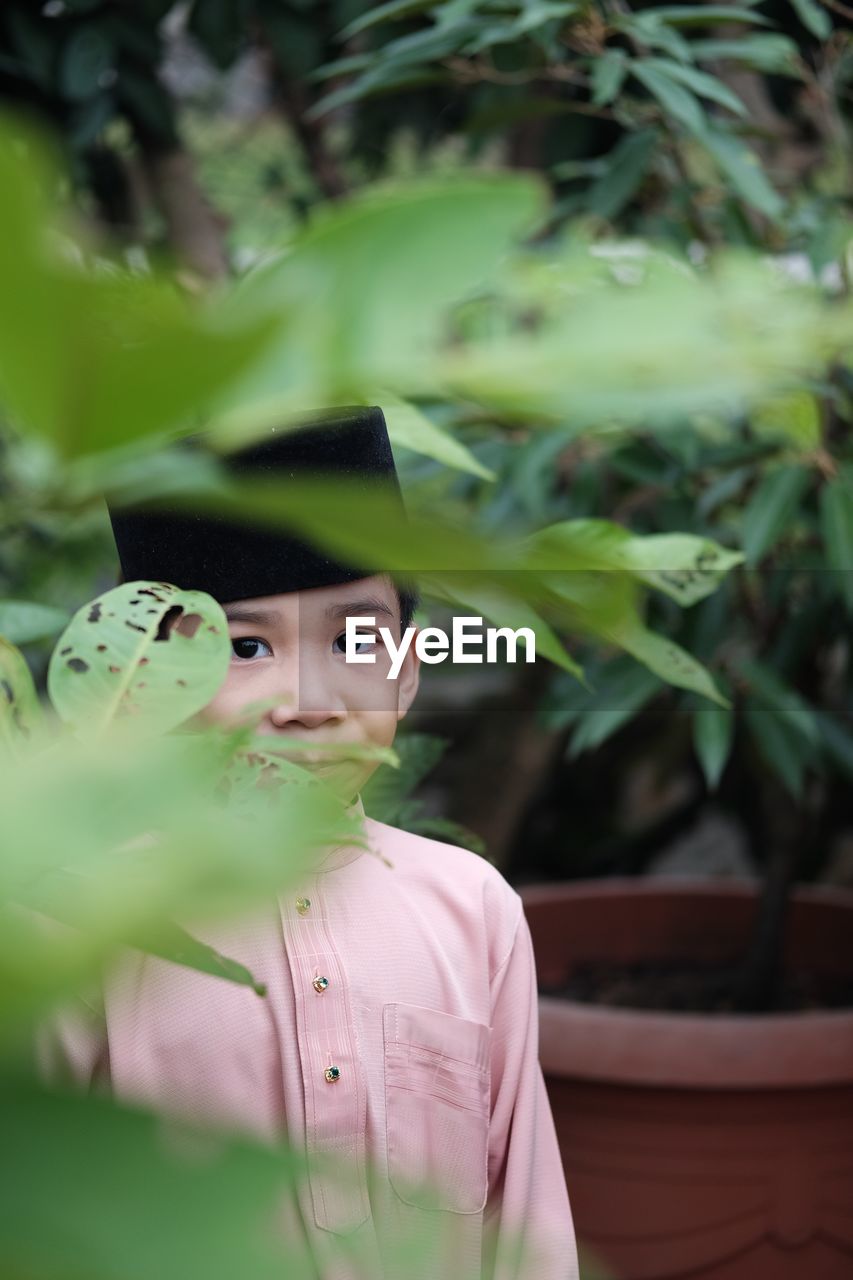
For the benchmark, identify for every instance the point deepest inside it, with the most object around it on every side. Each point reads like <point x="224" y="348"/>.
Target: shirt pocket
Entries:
<point x="437" y="1105"/>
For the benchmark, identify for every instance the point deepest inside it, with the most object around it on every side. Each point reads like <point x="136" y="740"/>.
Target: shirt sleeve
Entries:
<point x="528" y="1233"/>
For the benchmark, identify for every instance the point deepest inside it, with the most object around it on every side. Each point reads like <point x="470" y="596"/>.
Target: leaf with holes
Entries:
<point x="119" y="657"/>
<point x="20" y="712"/>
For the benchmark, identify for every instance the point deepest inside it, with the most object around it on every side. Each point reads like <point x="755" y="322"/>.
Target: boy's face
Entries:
<point x="292" y="648"/>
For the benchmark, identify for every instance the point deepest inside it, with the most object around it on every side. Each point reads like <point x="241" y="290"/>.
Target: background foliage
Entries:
<point x="604" y="295"/>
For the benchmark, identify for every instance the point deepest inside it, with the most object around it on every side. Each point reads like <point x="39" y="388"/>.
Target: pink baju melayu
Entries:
<point x="398" y="1041"/>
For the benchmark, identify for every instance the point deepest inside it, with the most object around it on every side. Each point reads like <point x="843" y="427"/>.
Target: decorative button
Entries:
<point x="332" y="1074"/>
<point x="320" y="983"/>
<point x="303" y="906"/>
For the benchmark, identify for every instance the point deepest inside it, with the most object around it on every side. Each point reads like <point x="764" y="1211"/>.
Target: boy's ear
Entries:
<point x="409" y="677"/>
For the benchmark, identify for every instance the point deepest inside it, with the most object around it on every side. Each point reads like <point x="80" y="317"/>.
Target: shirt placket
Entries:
<point x="333" y="1085"/>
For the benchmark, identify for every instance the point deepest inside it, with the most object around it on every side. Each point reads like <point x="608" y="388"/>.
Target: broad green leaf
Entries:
<point x="713" y="733"/>
<point x="75" y="345"/>
<point x="836" y="520"/>
<point x="85" y="1179"/>
<point x="795" y="418"/>
<point x="22" y="621"/>
<point x="743" y="170"/>
<point x="64" y="896"/>
<point x="152" y="842"/>
<point x="684" y="566"/>
<point x="361" y="299"/>
<point x="702" y="84"/>
<point x="627" y="166"/>
<point x="814" y="18"/>
<point x="676" y="101"/>
<point x="608" y="76"/>
<point x="771" y="509"/>
<point x="410" y="427"/>
<point x="20" y="711"/>
<point x="117" y="658"/>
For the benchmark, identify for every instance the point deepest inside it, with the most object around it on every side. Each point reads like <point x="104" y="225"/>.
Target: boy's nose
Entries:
<point x="310" y="715"/>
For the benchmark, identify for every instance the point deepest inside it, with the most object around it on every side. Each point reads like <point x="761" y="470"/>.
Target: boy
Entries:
<point x="399" y="1033"/>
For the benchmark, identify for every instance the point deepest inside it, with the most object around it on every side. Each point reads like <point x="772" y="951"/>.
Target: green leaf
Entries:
<point x="74" y="346"/>
<point x="688" y="15"/>
<point x="627" y="166"/>
<point x="771" y="509"/>
<point x="22" y="621"/>
<point x="361" y="299"/>
<point x="503" y="610"/>
<point x="686" y="567"/>
<point x="837" y="741"/>
<point x="813" y="17"/>
<point x="409" y="427"/>
<point x="702" y="84"/>
<point x="388" y="788"/>
<point x="620" y="691"/>
<point x="65" y="896"/>
<point x="771" y="53"/>
<point x="221" y="28"/>
<point x="713" y="734"/>
<point x="794" y="418"/>
<point x="743" y="170"/>
<point x="111" y="662"/>
<point x="389" y="12"/>
<point x="787" y="705"/>
<point x="20" y="711"/>
<point x="682" y="565"/>
<point x="836" y="522"/>
<point x="87" y="56"/>
<point x="675" y="100"/>
<point x="780" y="746"/>
<point x="608" y="76"/>
<point x="667" y="659"/>
<point x="85" y="1178"/>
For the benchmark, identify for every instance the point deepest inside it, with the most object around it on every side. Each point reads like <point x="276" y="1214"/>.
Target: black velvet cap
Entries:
<point x="233" y="561"/>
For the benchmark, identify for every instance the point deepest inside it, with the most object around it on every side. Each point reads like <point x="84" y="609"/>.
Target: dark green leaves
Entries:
<point x="770" y="509"/>
<point x="836" y="519"/>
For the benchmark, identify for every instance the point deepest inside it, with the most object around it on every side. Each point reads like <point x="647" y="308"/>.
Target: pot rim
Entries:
<point x="692" y="1051"/>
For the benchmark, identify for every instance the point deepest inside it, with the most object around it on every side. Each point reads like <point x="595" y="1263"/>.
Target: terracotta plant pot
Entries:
<point x="715" y="1147"/>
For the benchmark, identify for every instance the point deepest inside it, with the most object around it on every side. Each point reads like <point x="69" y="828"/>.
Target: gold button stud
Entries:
<point x="320" y="983"/>
<point x="303" y="906"/>
<point x="332" y="1074"/>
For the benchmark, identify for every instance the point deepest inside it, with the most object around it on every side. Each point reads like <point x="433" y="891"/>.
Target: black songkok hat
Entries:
<point x="233" y="561"/>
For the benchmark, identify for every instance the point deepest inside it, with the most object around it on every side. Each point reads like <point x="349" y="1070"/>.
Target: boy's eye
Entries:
<point x="362" y="646"/>
<point x="246" y="647"/>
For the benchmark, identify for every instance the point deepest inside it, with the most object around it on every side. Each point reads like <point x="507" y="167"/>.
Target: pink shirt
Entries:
<point x="409" y="970"/>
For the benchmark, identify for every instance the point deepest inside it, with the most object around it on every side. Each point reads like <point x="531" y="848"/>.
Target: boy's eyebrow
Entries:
<point x="369" y="605"/>
<point x="260" y="617"/>
<point x="269" y="617"/>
